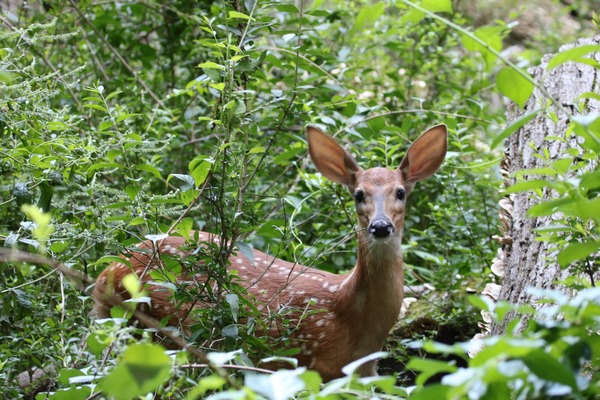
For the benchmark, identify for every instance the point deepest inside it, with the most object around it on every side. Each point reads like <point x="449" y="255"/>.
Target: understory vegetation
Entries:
<point x="121" y="121"/>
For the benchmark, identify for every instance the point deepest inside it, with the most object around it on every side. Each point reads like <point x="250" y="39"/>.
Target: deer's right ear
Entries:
<point x="331" y="159"/>
<point x="425" y="155"/>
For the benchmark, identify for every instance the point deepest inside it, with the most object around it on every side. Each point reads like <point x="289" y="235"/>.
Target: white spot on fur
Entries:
<point x="334" y="288"/>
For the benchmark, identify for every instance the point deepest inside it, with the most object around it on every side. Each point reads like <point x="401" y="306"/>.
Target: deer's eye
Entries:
<point x="400" y="194"/>
<point x="359" y="196"/>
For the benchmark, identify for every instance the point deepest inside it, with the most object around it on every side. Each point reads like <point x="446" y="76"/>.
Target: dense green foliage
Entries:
<point x="123" y="120"/>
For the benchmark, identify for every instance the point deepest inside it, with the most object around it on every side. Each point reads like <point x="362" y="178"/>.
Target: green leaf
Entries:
<point x="430" y="392"/>
<point x="103" y="165"/>
<point x="239" y="15"/>
<point x="57" y="126"/>
<point x="137" y="221"/>
<point x="528" y="185"/>
<point x="200" y="172"/>
<point x="549" y="368"/>
<point x="481" y="302"/>
<point x="72" y="393"/>
<point x="491" y="36"/>
<point x="588" y="127"/>
<point x="209" y="383"/>
<point x="234" y="304"/>
<point x="184" y="227"/>
<point x="111" y="259"/>
<point x="589" y="95"/>
<point x="515" y="126"/>
<point x="105" y="125"/>
<point x="590" y="181"/>
<point x="112" y="155"/>
<point x="574" y="54"/>
<point x="514" y="86"/>
<point x="149" y="168"/>
<point x="46" y="193"/>
<point x="219" y="86"/>
<point x="211" y="65"/>
<point x="367" y="16"/>
<point x="257" y="150"/>
<point x="428" y="368"/>
<point x="132" y="191"/>
<point x="113" y="94"/>
<point x="437" y="5"/>
<point x="239" y="108"/>
<point x="143" y="368"/>
<point x="188" y="180"/>
<point x="125" y="116"/>
<point x="67" y="373"/>
<point x="547" y="207"/>
<point x="5" y="76"/>
<point x="499" y="390"/>
<point x="577" y="251"/>
<point x="288" y="8"/>
<point x="97" y="342"/>
<point x="96" y="107"/>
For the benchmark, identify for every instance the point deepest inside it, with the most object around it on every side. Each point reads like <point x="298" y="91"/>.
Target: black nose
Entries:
<point x="381" y="228"/>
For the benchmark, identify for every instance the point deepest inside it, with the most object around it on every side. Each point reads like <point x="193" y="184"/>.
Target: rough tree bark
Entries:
<point x="524" y="262"/>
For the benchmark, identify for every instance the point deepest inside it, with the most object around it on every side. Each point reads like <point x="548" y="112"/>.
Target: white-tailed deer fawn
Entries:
<point x="339" y="318"/>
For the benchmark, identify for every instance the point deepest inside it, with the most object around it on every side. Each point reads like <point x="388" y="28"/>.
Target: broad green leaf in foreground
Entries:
<point x="143" y="368"/>
<point x="514" y="86"/>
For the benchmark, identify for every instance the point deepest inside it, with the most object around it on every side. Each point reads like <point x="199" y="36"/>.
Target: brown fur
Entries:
<point x="338" y="318"/>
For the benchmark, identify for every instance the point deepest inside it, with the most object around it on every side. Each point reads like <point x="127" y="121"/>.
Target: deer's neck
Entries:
<point x="373" y="291"/>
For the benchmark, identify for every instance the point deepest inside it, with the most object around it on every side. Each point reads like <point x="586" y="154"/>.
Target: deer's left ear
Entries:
<point x="331" y="159"/>
<point x="425" y="155"/>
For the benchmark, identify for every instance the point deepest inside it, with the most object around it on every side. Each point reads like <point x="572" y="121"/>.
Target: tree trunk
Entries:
<point x="524" y="262"/>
